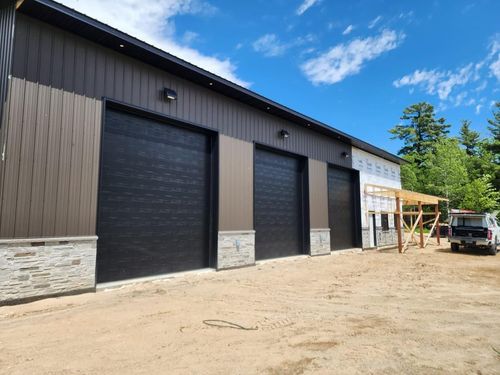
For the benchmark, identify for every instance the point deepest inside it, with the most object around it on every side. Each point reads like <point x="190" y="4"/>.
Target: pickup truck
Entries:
<point x="470" y="229"/>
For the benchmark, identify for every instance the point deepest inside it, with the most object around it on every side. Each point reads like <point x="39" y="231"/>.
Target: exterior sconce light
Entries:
<point x="284" y="134"/>
<point x="345" y="155"/>
<point x="169" y="94"/>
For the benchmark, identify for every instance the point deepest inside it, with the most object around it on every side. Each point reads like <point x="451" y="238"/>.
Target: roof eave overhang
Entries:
<point x="70" y="20"/>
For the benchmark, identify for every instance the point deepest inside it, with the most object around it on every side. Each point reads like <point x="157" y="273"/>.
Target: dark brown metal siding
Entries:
<point x="88" y="69"/>
<point x="318" y="194"/>
<point x="7" y="20"/>
<point x="54" y="123"/>
<point x="51" y="165"/>
<point x="235" y="184"/>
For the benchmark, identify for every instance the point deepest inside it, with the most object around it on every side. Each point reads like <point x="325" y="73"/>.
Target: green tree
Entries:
<point x="419" y="131"/>
<point x="493" y="145"/>
<point x="482" y="162"/>
<point x="494" y="128"/>
<point x="445" y="171"/>
<point x="469" y="138"/>
<point x="410" y="174"/>
<point x="480" y="195"/>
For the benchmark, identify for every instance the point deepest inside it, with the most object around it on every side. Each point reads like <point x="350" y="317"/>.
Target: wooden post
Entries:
<point x="438" y="235"/>
<point x="421" y="224"/>
<point x="398" y="225"/>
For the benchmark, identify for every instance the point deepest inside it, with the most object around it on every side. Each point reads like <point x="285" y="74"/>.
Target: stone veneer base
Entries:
<point x="36" y="268"/>
<point x="235" y="249"/>
<point x="320" y="241"/>
<point x="384" y="238"/>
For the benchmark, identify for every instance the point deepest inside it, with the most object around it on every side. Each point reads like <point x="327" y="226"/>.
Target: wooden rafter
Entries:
<point x="406" y="197"/>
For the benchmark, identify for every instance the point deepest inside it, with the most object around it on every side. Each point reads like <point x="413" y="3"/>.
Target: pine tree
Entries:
<point x="469" y="138"/>
<point x="494" y="128"/>
<point x="493" y="145"/>
<point x="419" y="131"/>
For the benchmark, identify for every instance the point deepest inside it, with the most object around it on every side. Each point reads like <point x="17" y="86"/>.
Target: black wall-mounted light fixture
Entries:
<point x="284" y="134"/>
<point x="169" y="94"/>
<point x="345" y="155"/>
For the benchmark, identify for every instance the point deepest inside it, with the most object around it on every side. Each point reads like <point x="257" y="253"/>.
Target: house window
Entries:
<point x="385" y="222"/>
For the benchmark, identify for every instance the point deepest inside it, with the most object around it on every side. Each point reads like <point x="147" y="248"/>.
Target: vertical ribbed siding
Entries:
<point x="54" y="122"/>
<point x="318" y="194"/>
<point x="7" y="19"/>
<point x="51" y="164"/>
<point x="235" y="184"/>
<point x="90" y="70"/>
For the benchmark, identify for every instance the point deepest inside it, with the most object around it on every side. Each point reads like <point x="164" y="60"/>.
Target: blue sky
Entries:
<point x="351" y="64"/>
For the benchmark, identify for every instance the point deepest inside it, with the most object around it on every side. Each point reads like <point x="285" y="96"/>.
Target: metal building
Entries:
<point x="120" y="161"/>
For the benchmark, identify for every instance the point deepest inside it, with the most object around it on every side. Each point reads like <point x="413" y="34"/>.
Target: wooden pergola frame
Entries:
<point x="416" y="201"/>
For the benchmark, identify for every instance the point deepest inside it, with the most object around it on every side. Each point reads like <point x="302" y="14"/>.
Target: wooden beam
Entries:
<point x="438" y="228"/>
<point x="398" y="227"/>
<point x="410" y="236"/>
<point x="436" y="221"/>
<point x="416" y="213"/>
<point x="421" y="224"/>
<point x="430" y="221"/>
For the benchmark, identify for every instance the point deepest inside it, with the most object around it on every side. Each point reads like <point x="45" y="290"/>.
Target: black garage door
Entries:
<point x="278" y="205"/>
<point x="154" y="198"/>
<point x="341" y="208"/>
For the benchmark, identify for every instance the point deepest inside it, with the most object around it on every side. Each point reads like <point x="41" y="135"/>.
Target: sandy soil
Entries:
<point x="425" y="312"/>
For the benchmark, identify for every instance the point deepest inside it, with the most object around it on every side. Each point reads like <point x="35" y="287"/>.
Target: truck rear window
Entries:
<point x="467" y="222"/>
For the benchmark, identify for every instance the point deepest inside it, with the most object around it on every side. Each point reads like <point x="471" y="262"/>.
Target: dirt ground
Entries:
<point x="425" y="312"/>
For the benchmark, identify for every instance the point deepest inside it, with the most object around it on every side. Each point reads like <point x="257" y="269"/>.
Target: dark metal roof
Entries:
<point x="69" y="19"/>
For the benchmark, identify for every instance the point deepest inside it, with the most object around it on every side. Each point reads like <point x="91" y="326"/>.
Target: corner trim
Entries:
<point x="246" y="231"/>
<point x="47" y="239"/>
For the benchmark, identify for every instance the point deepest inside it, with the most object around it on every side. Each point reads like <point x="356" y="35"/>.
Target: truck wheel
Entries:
<point x="454" y="247"/>
<point x="493" y="247"/>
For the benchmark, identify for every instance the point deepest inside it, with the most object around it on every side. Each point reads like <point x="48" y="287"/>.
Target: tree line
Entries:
<point x="463" y="169"/>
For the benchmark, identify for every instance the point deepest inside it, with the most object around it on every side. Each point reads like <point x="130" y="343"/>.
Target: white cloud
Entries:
<point x="348" y="59"/>
<point x="437" y="82"/>
<point x="495" y="68"/>
<point x="306" y="4"/>
<point x="419" y="77"/>
<point x="482" y="86"/>
<point x="152" y="22"/>
<point x="406" y="15"/>
<point x="374" y="22"/>
<point x="348" y="30"/>
<point x="189" y="37"/>
<point x="460" y="78"/>
<point x="478" y="108"/>
<point x="446" y="83"/>
<point x="459" y="98"/>
<point x="269" y="45"/>
<point x="495" y="56"/>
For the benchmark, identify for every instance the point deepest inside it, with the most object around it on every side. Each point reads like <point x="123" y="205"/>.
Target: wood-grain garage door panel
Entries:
<point x="278" y="205"/>
<point x="154" y="198"/>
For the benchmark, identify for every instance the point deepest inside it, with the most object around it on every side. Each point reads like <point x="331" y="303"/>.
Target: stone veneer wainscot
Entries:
<point x="320" y="241"/>
<point x="235" y="249"/>
<point x="36" y="267"/>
